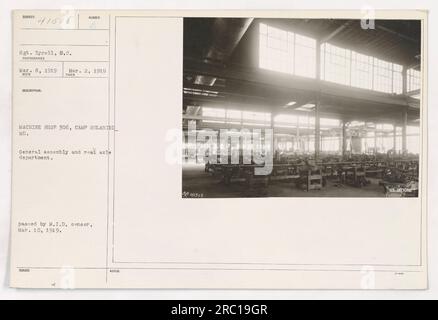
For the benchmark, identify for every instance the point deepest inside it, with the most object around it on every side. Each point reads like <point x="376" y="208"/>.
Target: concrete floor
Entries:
<point x="199" y="184"/>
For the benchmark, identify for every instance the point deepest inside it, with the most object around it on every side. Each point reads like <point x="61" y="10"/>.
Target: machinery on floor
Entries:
<point x="398" y="177"/>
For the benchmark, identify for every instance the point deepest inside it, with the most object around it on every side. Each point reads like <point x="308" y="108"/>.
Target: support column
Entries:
<point x="394" y="134"/>
<point x="344" y="138"/>
<point x="340" y="142"/>
<point x="405" y="80"/>
<point x="274" y="139"/>
<point x="317" y="129"/>
<point x="308" y="136"/>
<point x="297" y="135"/>
<point x="318" y="60"/>
<point x="404" y="132"/>
<point x="375" y="141"/>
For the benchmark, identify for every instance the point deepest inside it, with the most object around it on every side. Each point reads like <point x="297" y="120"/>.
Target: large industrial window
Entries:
<point x="285" y="51"/>
<point x="217" y="115"/>
<point x="305" y="56"/>
<point x="330" y="144"/>
<point x="276" y="49"/>
<point x="256" y="118"/>
<point x="369" y="142"/>
<point x="292" y="53"/>
<point x="285" y="120"/>
<point x="336" y="64"/>
<point x="330" y="123"/>
<point x="306" y="121"/>
<point x="213" y="112"/>
<point x="361" y="71"/>
<point x="234" y="116"/>
<point x="387" y="76"/>
<point x="348" y="67"/>
<point x="382" y="76"/>
<point x="413" y="80"/>
<point x="397" y="78"/>
<point x="387" y="127"/>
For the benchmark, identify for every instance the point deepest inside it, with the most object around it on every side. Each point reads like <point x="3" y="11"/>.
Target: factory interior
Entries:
<point x="341" y="99"/>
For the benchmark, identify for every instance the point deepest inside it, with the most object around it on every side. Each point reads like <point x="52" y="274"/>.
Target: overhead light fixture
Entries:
<point x="306" y="107"/>
<point x="289" y="104"/>
<point x="357" y="123"/>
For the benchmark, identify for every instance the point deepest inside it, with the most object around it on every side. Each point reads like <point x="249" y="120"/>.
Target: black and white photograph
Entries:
<point x="277" y="107"/>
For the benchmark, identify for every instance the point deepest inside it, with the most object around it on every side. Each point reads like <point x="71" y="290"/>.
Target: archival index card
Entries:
<point x="105" y="174"/>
